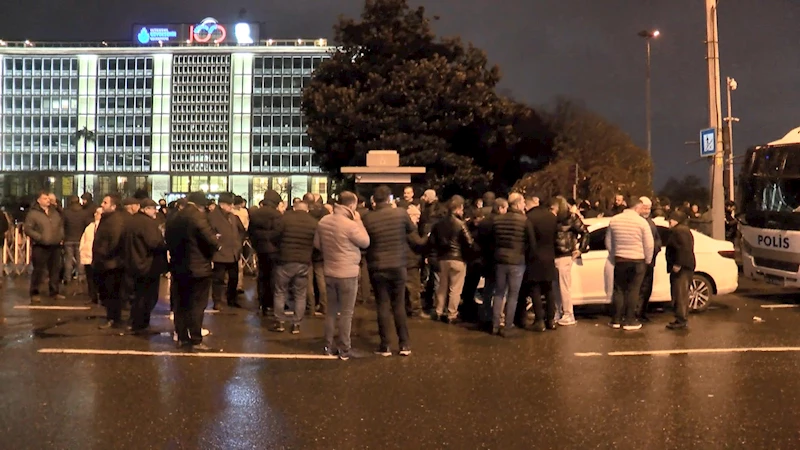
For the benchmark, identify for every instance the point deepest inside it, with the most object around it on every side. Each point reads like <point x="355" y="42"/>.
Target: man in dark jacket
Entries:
<point x="265" y="227"/>
<point x="316" y="273"/>
<point x="191" y="245"/>
<point x="431" y="212"/>
<point x="146" y="253"/>
<point x="512" y="239"/>
<point x="74" y="224"/>
<point x="388" y="230"/>
<point x="647" y="282"/>
<point x="680" y="266"/>
<point x="44" y="226"/>
<point x="291" y="273"/>
<point x="108" y="258"/>
<point x="230" y="232"/>
<point x="364" y="287"/>
<point x="541" y="267"/>
<point x="452" y="244"/>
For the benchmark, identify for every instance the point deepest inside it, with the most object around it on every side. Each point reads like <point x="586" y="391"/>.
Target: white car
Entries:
<point x="716" y="272"/>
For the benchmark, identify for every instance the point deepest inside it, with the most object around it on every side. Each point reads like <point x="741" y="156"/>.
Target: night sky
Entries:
<point x="584" y="49"/>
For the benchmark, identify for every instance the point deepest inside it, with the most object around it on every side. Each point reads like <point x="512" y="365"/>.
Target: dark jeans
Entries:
<point x="72" y="261"/>
<point x="264" y="287"/>
<point x="507" y="278"/>
<point x="543" y="309"/>
<point x="144" y="300"/>
<point x="291" y="277"/>
<point x="487" y="312"/>
<point x="190" y="305"/>
<point x="364" y="286"/>
<point x="91" y="283"/>
<point x="110" y="283"/>
<point x="341" y="303"/>
<point x="679" y="287"/>
<point x="646" y="291"/>
<point x="46" y="262"/>
<point x="413" y="292"/>
<point x="628" y="276"/>
<point x="316" y="277"/>
<point x="390" y="293"/>
<point x="219" y="286"/>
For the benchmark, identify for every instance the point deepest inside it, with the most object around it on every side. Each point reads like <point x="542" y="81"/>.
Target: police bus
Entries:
<point x="769" y="219"/>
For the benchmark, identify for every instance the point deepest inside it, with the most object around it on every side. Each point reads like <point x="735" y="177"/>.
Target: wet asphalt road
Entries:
<point x="460" y="389"/>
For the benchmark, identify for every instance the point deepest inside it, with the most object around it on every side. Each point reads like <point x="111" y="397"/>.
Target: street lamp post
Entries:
<point x="648" y="35"/>
<point x="731" y="83"/>
<point x="715" y="122"/>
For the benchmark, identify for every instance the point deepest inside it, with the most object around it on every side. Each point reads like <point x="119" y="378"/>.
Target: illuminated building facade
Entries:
<point x="170" y="116"/>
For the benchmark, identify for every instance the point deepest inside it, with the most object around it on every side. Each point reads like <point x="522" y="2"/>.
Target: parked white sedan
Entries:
<point x="716" y="272"/>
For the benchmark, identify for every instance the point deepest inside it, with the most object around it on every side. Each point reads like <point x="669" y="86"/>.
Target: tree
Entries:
<point x="392" y="84"/>
<point x="689" y="189"/>
<point x="609" y="162"/>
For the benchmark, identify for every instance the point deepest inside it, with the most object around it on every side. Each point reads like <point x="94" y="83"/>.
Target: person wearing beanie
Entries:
<point x="680" y="266"/>
<point x="147" y="259"/>
<point x="192" y="245"/>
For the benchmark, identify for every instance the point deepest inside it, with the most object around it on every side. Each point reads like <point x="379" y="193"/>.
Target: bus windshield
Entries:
<point x="770" y="187"/>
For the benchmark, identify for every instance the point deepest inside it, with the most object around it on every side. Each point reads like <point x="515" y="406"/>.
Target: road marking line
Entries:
<point x="692" y="351"/>
<point x="57" y="308"/>
<point x="780" y="306"/>
<point x="88" y="351"/>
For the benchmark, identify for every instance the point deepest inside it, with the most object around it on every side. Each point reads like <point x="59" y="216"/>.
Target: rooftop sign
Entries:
<point x="207" y="31"/>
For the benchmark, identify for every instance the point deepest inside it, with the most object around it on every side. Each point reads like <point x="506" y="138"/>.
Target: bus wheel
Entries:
<point x="700" y="292"/>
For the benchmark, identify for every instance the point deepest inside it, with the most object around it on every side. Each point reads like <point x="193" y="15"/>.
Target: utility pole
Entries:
<point x="731" y="83"/>
<point x="715" y="121"/>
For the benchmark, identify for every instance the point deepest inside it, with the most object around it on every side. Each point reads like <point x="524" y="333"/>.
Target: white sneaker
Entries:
<point x="567" y="321"/>
<point x="204" y="332"/>
<point x="172" y="316"/>
<point x="175" y="336"/>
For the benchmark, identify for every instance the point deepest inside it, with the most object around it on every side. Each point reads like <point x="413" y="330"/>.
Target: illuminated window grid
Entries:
<point x="40" y="113"/>
<point x="280" y="143"/>
<point x="241" y="95"/>
<point x="124" y="114"/>
<point x="200" y="113"/>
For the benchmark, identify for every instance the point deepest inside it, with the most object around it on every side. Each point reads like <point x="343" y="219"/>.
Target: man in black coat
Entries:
<point x="294" y="262"/>
<point x="147" y="259"/>
<point x="680" y="266"/>
<point x="265" y="227"/>
<point x="108" y="258"/>
<point x="388" y="230"/>
<point x="452" y="245"/>
<point x="230" y="231"/>
<point x="74" y="224"/>
<point x="316" y="275"/>
<point x="541" y="267"/>
<point x="191" y="245"/>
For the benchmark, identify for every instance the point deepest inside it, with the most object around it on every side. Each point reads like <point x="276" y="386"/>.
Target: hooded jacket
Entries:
<point x="266" y="225"/>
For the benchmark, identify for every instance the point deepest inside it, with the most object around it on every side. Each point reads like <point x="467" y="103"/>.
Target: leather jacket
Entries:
<point x="451" y="240"/>
<point x="572" y="235"/>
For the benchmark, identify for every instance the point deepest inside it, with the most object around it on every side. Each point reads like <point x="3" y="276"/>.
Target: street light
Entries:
<point x="648" y="35"/>
<point x="732" y="85"/>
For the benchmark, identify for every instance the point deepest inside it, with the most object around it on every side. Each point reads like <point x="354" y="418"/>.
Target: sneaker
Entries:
<point x="614" y="325"/>
<point x="405" y="350"/>
<point x="36" y="299"/>
<point x="107" y="325"/>
<point x="278" y="327"/>
<point x="675" y="325"/>
<point x="425" y="315"/>
<point x="632" y="326"/>
<point x="59" y="297"/>
<point x="383" y="351"/>
<point x="319" y="314"/>
<point x="204" y="332"/>
<point x="539" y="326"/>
<point x="328" y="351"/>
<point x="567" y="321"/>
<point x="295" y="328"/>
<point x="344" y="356"/>
<point x="175" y="336"/>
<point x="172" y="316"/>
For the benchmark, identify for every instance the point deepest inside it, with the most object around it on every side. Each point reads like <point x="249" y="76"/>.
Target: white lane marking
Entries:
<point x="57" y="308"/>
<point x="692" y="351"/>
<point x="780" y="306"/>
<point x="89" y="351"/>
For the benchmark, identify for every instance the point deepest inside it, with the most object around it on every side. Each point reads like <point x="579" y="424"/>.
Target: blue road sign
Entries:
<point x="708" y="142"/>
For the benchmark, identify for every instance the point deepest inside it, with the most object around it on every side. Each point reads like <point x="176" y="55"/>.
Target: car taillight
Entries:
<point x="727" y="254"/>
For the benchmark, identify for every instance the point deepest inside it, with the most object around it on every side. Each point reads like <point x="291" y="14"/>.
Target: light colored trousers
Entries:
<point x="451" y="283"/>
<point x="564" y="267"/>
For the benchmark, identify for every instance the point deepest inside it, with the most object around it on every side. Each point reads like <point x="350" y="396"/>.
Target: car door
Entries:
<point x="661" y="289"/>
<point x="588" y="283"/>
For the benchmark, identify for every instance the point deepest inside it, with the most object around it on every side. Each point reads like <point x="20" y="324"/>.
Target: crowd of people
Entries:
<point x="419" y="257"/>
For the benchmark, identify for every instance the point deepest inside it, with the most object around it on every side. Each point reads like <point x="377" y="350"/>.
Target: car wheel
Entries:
<point x="700" y="292"/>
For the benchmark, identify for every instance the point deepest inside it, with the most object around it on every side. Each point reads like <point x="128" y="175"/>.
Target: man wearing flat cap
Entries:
<point x="230" y="232"/>
<point x="147" y="260"/>
<point x="680" y="266"/>
<point x="192" y="245"/>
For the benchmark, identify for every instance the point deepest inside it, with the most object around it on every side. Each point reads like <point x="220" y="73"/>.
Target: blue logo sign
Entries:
<point x="156" y="34"/>
<point x="708" y="142"/>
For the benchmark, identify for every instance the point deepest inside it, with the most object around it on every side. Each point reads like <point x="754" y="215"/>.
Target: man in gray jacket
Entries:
<point x="340" y="237"/>
<point x="44" y="226"/>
